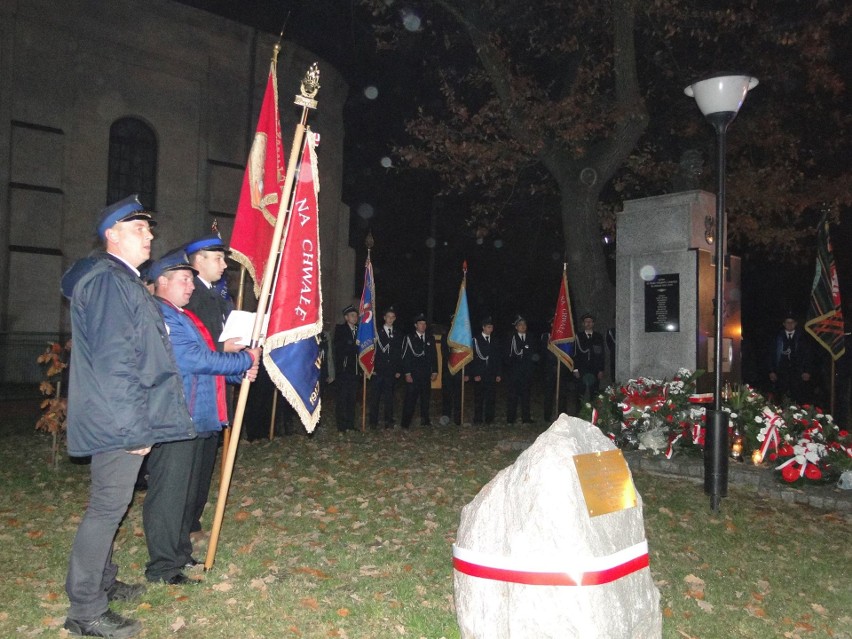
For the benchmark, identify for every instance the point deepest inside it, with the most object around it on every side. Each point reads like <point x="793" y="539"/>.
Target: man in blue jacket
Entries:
<point x="125" y="395"/>
<point x="175" y="468"/>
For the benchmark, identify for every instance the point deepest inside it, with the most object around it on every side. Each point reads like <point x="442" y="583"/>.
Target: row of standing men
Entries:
<point x="412" y="359"/>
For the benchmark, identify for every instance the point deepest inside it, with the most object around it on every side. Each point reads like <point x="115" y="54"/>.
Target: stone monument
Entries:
<point x="554" y="546"/>
<point x="665" y="287"/>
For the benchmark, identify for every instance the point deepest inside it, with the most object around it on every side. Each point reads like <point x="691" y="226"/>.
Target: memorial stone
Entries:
<point x="554" y="546"/>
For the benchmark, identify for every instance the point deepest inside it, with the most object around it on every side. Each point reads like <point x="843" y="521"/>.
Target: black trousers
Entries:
<point x="420" y="389"/>
<point x="519" y="391"/>
<point x="381" y="390"/>
<point x="209" y="447"/>
<point x="484" y="399"/>
<point x="91" y="570"/>
<point x="451" y="386"/>
<point x="347" y="394"/>
<point x="169" y="506"/>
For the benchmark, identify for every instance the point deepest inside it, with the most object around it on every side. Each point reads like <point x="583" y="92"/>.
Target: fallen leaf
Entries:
<point x="310" y="602"/>
<point x="705" y="606"/>
<point x="343" y="612"/>
<point x="178" y="624"/>
<point x="819" y="609"/>
<point x="223" y="587"/>
<point x="241" y="515"/>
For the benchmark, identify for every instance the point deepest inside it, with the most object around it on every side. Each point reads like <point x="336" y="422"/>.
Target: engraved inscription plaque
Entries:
<point x="605" y="481"/>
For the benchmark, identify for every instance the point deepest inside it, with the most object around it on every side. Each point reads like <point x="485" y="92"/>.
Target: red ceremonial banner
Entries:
<point x="257" y="209"/>
<point x="296" y="311"/>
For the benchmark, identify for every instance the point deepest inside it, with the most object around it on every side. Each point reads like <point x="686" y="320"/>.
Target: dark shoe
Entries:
<point x="120" y="591"/>
<point x="192" y="563"/>
<point x="109" y="624"/>
<point x="426" y="423"/>
<point x="181" y="579"/>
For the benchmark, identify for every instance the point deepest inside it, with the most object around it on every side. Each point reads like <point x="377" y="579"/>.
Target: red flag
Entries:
<point x="262" y="184"/>
<point x="562" y="336"/>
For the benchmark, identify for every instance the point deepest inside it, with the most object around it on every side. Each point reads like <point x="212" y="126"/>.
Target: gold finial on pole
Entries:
<point x="369" y="242"/>
<point x="310" y="86"/>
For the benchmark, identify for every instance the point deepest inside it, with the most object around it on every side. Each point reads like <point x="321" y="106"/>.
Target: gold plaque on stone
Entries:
<point x="605" y="481"/>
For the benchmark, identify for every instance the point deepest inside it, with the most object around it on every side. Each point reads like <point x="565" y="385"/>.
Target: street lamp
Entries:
<point x="719" y="98"/>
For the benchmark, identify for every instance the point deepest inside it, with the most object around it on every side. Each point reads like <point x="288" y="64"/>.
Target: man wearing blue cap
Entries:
<point x="125" y="395"/>
<point x="207" y="256"/>
<point x="175" y="467"/>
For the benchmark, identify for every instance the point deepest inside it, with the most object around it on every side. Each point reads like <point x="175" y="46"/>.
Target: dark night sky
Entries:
<point x="397" y="206"/>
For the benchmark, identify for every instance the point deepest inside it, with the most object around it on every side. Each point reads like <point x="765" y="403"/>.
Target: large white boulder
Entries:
<point x="531" y="523"/>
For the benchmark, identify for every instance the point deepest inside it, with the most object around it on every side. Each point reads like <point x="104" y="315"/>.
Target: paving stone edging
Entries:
<point x="760" y="479"/>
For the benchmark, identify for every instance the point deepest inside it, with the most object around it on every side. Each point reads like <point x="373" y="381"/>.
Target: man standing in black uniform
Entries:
<point x="388" y="369"/>
<point x="790" y="366"/>
<point x="347" y="369"/>
<point x="523" y="356"/>
<point x="207" y="256"/>
<point x="589" y="360"/>
<point x="486" y="371"/>
<point x="420" y="366"/>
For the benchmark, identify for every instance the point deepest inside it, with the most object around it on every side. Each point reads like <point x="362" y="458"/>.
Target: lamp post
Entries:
<point x="719" y="98"/>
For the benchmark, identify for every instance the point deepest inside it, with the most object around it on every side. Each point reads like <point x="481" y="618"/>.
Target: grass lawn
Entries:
<point x="349" y="537"/>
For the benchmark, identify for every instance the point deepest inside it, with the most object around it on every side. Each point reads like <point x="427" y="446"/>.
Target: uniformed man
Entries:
<point x="206" y="256"/>
<point x="388" y="369"/>
<point x="791" y="365"/>
<point x="420" y="367"/>
<point x="589" y="360"/>
<point x="523" y="357"/>
<point x="347" y="369"/>
<point x="486" y="370"/>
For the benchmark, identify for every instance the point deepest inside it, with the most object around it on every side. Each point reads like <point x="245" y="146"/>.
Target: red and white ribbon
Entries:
<point x="771" y="434"/>
<point x="591" y="571"/>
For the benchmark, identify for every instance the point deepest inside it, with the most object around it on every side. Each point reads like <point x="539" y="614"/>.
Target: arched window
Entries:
<point x="132" y="161"/>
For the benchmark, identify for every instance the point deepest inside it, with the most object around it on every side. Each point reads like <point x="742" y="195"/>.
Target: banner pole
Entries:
<point x="364" y="405"/>
<point x="226" y="432"/>
<point x="556" y="400"/>
<point x="311" y="81"/>
<point x="272" y="417"/>
<point x="833" y="382"/>
<point x="461" y="404"/>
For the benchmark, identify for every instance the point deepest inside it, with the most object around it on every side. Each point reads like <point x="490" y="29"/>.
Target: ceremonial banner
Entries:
<point x="562" y="336"/>
<point x="460" y="339"/>
<point x="366" y="337"/>
<point x="291" y="351"/>
<point x="262" y="183"/>
<point x="825" y="316"/>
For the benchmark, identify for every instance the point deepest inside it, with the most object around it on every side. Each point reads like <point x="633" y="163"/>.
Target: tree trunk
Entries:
<point x="591" y="290"/>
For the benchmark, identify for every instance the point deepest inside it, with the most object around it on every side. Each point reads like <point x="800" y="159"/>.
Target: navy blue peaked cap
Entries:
<point x="172" y="261"/>
<point x="130" y="208"/>
<point x="206" y="243"/>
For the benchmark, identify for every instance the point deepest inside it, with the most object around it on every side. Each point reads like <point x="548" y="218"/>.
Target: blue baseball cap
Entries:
<point x="172" y="261"/>
<point x="130" y="208"/>
<point x="206" y="243"/>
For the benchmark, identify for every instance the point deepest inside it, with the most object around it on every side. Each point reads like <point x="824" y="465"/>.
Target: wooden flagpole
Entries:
<point x="226" y="432"/>
<point x="309" y="88"/>
<point x="461" y="405"/>
<point x="556" y="401"/>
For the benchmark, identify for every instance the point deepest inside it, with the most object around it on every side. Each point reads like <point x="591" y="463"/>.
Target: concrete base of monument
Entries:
<point x="554" y="546"/>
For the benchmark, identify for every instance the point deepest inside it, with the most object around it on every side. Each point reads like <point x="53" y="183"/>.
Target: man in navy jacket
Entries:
<point x="175" y="468"/>
<point x="125" y="395"/>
